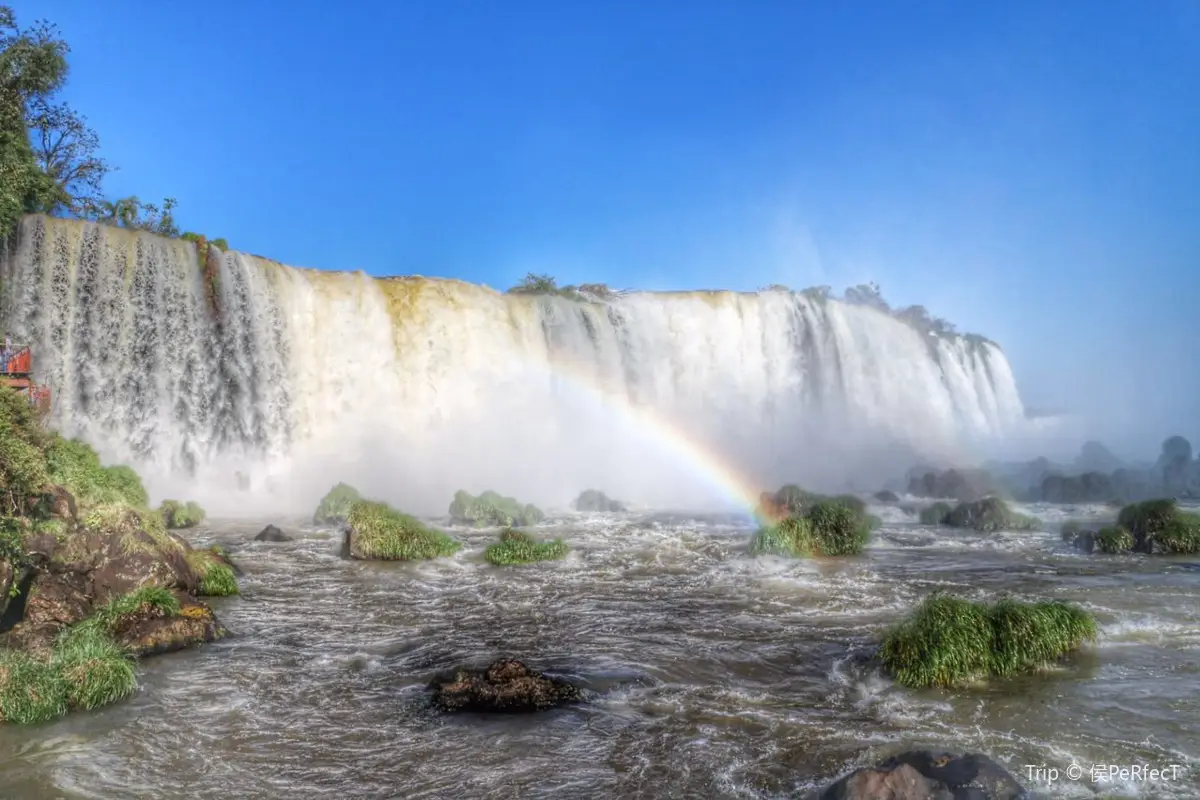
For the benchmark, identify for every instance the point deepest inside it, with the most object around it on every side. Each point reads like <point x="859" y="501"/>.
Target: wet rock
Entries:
<point x="887" y="496"/>
<point x="272" y="534"/>
<point x="506" y="686"/>
<point x="924" y="775"/>
<point x="149" y="631"/>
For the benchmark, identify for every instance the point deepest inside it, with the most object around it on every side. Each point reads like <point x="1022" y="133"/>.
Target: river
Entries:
<point x="714" y="674"/>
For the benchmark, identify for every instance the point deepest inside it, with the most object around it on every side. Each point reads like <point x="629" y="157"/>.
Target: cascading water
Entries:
<point x="414" y="387"/>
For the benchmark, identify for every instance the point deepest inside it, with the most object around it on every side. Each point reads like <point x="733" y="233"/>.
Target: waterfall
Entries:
<point x="414" y="387"/>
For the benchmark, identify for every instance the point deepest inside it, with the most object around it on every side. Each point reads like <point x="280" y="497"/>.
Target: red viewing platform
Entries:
<point x="16" y="372"/>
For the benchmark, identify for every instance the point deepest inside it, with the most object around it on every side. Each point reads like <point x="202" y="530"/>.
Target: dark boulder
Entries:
<point x="924" y="775"/>
<point x="887" y="496"/>
<point x="272" y="534"/>
<point x="506" y="686"/>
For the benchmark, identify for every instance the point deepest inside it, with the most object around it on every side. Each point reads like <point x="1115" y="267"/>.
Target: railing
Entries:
<point x="16" y="360"/>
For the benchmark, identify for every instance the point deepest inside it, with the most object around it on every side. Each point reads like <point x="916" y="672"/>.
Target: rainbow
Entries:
<point x="740" y="490"/>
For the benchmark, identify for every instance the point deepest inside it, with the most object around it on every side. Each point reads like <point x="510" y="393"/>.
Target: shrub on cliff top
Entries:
<point x="334" y="508"/>
<point x="827" y="528"/>
<point x="378" y="531"/>
<point x="76" y="466"/>
<point x="490" y="508"/>
<point x="949" y="641"/>
<point x="518" y="547"/>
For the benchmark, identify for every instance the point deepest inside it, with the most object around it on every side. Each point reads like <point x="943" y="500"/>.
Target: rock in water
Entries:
<point x="272" y="534"/>
<point x="887" y="496"/>
<point x="923" y="775"/>
<point x="507" y="686"/>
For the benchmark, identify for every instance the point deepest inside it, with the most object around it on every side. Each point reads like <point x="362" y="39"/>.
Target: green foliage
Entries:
<point x="935" y="514"/>
<point x="987" y="515"/>
<point x="492" y="509"/>
<point x="23" y="472"/>
<point x="334" y="508"/>
<point x="217" y="578"/>
<point x="12" y="551"/>
<point x="948" y="641"/>
<point x="1181" y="535"/>
<point x="31" y="691"/>
<point x="518" y="547"/>
<point x="1113" y="540"/>
<point x="382" y="532"/>
<point x="828" y="527"/>
<point x="1158" y="526"/>
<point x="94" y="668"/>
<point x="105" y="619"/>
<point x="178" y="515"/>
<point x="75" y="465"/>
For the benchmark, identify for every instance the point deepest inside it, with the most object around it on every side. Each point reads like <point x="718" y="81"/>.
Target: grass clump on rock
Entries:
<point x="178" y="515"/>
<point x="492" y="509"/>
<point x="215" y="571"/>
<point x="827" y="528"/>
<point x="76" y="466"/>
<point x="1160" y="527"/>
<point x="518" y="547"/>
<point x="949" y="641"/>
<point x="334" y="508"/>
<point x="986" y="515"/>
<point x="378" y="531"/>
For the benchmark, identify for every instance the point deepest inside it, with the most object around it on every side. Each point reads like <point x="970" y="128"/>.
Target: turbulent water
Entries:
<point x="710" y="673"/>
<point x="300" y="373"/>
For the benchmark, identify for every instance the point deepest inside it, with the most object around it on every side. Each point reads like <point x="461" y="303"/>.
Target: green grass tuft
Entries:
<point x="31" y="691"/>
<point x="382" y="532"/>
<point x="1114" y="539"/>
<point x="217" y="578"/>
<point x="95" y="669"/>
<point x="829" y="527"/>
<point x="518" y="547"/>
<point x="334" y="508"/>
<point x="1158" y="526"/>
<point x="948" y="641"/>
<point x="76" y="466"/>
<point x="490" y="508"/>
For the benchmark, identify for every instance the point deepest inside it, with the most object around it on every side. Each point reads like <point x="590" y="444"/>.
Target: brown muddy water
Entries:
<point x="713" y="674"/>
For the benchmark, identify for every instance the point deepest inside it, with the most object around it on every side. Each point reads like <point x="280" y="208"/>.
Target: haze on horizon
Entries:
<point x="1027" y="171"/>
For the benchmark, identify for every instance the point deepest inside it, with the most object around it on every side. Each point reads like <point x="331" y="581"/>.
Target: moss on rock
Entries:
<point x="986" y="515"/>
<point x="215" y="571"/>
<point x="519" y="547"/>
<point x="829" y="527"/>
<point x="1113" y="539"/>
<point x="492" y="509"/>
<point x="376" y="531"/>
<point x="949" y="641"/>
<point x="334" y="508"/>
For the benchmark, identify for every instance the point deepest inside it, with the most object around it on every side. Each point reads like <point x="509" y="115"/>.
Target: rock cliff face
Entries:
<point x="247" y="365"/>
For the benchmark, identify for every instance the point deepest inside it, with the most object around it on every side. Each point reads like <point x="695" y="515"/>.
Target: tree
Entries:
<point x="33" y="66"/>
<point x="132" y="213"/>
<point x="867" y="294"/>
<point x="65" y="149"/>
<point x="535" y="284"/>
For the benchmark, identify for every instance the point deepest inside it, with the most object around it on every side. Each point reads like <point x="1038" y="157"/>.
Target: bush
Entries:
<point x="334" y="508"/>
<point x="987" y="515"/>
<point x="178" y="515"/>
<point x="595" y="500"/>
<point x="490" y="509"/>
<point x="23" y="472"/>
<point x="1159" y="527"/>
<point x="378" y="531"/>
<point x="31" y="691"/>
<point x="76" y="466"/>
<point x="518" y="547"/>
<point x="828" y="528"/>
<point x="936" y="514"/>
<point x="95" y="669"/>
<point x="948" y="641"/>
<point x="1114" y="539"/>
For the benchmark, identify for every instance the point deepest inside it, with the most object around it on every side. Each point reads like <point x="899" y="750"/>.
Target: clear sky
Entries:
<point x="1029" y="170"/>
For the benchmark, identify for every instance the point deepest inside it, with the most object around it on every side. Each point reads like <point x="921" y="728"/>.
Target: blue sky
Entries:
<point x="1030" y="170"/>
